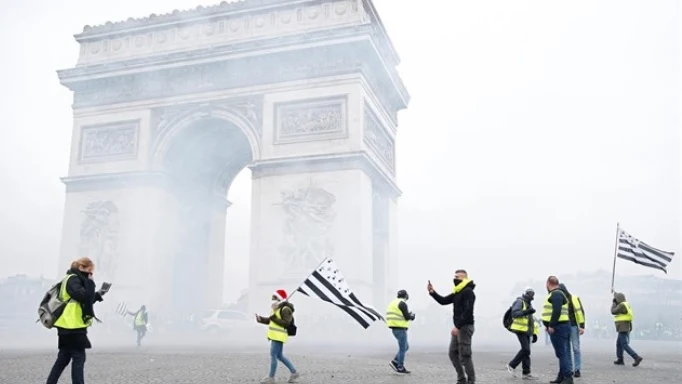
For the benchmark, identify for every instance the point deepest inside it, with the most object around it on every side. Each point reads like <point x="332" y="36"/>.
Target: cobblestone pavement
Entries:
<point x="170" y="365"/>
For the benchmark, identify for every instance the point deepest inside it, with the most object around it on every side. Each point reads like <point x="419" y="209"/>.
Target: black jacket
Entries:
<point x="82" y="290"/>
<point x="462" y="304"/>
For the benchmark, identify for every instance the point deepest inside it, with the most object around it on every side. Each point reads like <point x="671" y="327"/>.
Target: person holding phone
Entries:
<point x="462" y="299"/>
<point x="78" y="290"/>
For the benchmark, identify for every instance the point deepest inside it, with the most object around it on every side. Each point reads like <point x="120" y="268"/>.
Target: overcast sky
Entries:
<point x="534" y="127"/>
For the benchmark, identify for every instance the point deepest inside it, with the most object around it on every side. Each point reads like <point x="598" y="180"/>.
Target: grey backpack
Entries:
<point x="51" y="307"/>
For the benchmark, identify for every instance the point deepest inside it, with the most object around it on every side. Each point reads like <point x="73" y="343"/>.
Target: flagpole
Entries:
<point x="615" y="257"/>
<point x="304" y="280"/>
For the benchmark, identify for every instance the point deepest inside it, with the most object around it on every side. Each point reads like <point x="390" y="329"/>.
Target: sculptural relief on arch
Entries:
<point x="168" y="109"/>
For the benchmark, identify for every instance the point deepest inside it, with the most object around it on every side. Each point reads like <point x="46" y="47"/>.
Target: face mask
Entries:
<point x="456" y="281"/>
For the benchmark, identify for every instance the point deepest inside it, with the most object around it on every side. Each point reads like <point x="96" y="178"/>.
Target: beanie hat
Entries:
<point x="281" y="294"/>
<point x="529" y="293"/>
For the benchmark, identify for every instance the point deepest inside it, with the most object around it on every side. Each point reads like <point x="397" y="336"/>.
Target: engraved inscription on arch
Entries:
<point x="311" y="120"/>
<point x="112" y="141"/>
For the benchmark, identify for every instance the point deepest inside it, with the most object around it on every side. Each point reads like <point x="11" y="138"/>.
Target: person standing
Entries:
<point x="140" y="321"/>
<point x="398" y="317"/>
<point x="462" y="299"/>
<point x="78" y="291"/>
<point x="280" y="320"/>
<point x="557" y="323"/>
<point x="576" y="313"/>
<point x="622" y="316"/>
<point x="526" y="329"/>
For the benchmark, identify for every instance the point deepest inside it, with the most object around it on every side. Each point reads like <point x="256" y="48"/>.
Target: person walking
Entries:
<point x="78" y="291"/>
<point x="526" y="330"/>
<point x="576" y="314"/>
<point x="140" y="321"/>
<point x="462" y="299"/>
<point x="280" y="320"/>
<point x="556" y="320"/>
<point x="398" y="317"/>
<point x="623" y="316"/>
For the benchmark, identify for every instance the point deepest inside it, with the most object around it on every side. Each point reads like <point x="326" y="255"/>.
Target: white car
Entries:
<point x="228" y="321"/>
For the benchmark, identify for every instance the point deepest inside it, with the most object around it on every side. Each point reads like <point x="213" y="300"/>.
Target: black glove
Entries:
<point x="535" y="338"/>
<point x="412" y="316"/>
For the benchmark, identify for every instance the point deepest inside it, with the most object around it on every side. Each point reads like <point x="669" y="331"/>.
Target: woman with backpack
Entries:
<point x="280" y="324"/>
<point x="78" y="291"/>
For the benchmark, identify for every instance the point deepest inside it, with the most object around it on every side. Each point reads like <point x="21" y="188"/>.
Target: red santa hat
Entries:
<point x="280" y="294"/>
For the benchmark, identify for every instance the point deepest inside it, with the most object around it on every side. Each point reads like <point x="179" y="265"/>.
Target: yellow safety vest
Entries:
<point x="72" y="317"/>
<point x="520" y="324"/>
<point x="275" y="331"/>
<point x="547" y="309"/>
<point x="394" y="316"/>
<point x="139" y="320"/>
<point x="578" y="310"/>
<point x="626" y="317"/>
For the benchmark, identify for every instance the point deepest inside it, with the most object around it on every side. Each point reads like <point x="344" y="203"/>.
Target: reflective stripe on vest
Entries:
<point x="275" y="331"/>
<point x="547" y="309"/>
<point x="520" y="324"/>
<point x="626" y="317"/>
<point x="394" y="316"/>
<point x="578" y="310"/>
<point x="72" y="317"/>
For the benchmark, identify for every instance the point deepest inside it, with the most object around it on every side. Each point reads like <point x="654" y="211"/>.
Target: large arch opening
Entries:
<point x="202" y="161"/>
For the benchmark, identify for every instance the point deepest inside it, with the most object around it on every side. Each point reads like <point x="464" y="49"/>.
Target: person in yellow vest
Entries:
<point x="78" y="290"/>
<point x="576" y="312"/>
<point x="556" y="320"/>
<point x="398" y="317"/>
<point x="623" y="316"/>
<point x="140" y="321"/>
<point x="526" y="329"/>
<point x="279" y="321"/>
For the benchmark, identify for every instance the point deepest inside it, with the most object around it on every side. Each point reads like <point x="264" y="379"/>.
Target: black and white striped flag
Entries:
<point x="328" y="284"/>
<point x="639" y="252"/>
<point x="122" y="309"/>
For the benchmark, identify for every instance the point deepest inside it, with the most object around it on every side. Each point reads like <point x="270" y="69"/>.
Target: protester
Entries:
<point x="526" y="329"/>
<point x="462" y="299"/>
<point x="623" y="316"/>
<point x="279" y="321"/>
<point x="398" y="317"/>
<point x="557" y="322"/>
<point x="576" y="313"/>
<point x="78" y="290"/>
<point x="140" y="321"/>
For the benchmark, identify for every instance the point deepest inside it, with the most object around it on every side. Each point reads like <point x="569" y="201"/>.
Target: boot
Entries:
<point x="567" y="380"/>
<point x="638" y="360"/>
<point x="558" y="380"/>
<point x="619" y="362"/>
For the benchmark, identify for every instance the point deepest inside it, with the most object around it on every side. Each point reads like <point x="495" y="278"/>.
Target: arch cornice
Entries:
<point x="167" y="122"/>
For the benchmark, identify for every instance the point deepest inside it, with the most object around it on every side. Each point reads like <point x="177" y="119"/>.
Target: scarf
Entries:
<point x="458" y="288"/>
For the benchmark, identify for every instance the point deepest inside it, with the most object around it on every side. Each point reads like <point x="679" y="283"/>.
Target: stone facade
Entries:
<point x="169" y="108"/>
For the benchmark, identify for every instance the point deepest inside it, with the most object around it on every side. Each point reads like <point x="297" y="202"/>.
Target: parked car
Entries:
<point x="228" y="321"/>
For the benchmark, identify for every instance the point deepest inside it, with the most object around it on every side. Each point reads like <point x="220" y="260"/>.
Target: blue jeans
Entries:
<point x="276" y="348"/>
<point x="403" y="346"/>
<point x="623" y="344"/>
<point x="574" y="347"/>
<point x="561" y="342"/>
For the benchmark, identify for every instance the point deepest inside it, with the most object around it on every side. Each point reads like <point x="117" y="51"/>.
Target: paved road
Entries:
<point x="185" y="365"/>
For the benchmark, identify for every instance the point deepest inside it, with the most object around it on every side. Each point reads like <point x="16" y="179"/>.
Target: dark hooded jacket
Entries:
<point x="82" y="290"/>
<point x="618" y="308"/>
<point x="462" y="304"/>
<point x="287" y="314"/>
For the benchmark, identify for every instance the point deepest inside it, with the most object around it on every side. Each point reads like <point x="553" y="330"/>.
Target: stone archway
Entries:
<point x="169" y="108"/>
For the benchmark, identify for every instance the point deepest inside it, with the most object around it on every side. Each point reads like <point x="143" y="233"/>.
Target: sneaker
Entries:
<point x="293" y="377"/>
<point x="576" y="373"/>
<point x="268" y="380"/>
<point x="394" y="365"/>
<point x="529" y="376"/>
<point x="511" y="370"/>
<point x="619" y="362"/>
<point x="638" y="360"/>
<point x="403" y="370"/>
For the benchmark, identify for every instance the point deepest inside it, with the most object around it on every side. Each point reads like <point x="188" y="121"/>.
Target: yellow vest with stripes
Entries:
<point x="626" y="317"/>
<point x="72" y="317"/>
<point x="520" y="324"/>
<point x="578" y="310"/>
<point x="547" y="309"/>
<point x="277" y="332"/>
<point x="139" y="319"/>
<point x="394" y="316"/>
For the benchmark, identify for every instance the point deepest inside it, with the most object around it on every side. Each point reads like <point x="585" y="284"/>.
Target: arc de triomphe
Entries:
<point x="168" y="109"/>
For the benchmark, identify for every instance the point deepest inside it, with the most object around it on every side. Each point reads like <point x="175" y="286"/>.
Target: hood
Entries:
<point x="619" y="297"/>
<point x="470" y="284"/>
<point x="563" y="288"/>
<point x="287" y="304"/>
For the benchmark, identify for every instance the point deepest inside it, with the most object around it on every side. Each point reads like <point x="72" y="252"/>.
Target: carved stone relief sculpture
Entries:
<point x="375" y="137"/>
<point x="109" y="141"/>
<point x="99" y="236"/>
<point x="309" y="216"/>
<point x="323" y="119"/>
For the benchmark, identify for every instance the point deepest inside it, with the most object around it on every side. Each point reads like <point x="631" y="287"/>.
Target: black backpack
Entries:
<point x="51" y="307"/>
<point x="507" y="319"/>
<point x="292" y="328"/>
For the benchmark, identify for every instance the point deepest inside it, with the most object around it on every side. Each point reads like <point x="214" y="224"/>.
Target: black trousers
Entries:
<point x="65" y="356"/>
<point x="523" y="356"/>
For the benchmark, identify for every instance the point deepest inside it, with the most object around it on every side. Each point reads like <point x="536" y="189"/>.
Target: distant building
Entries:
<point x="24" y="293"/>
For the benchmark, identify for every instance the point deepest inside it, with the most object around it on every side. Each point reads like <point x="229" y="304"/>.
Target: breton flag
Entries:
<point x="122" y="309"/>
<point x="327" y="283"/>
<point x="639" y="252"/>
